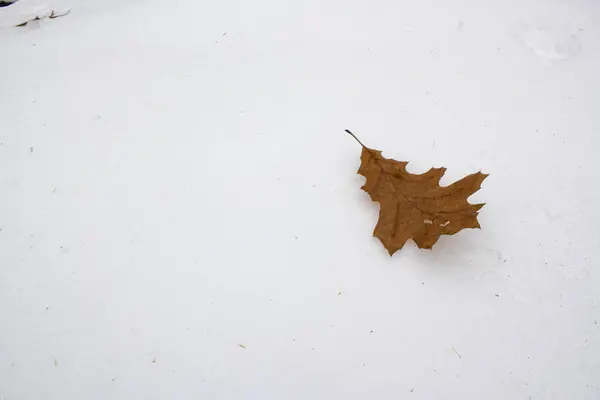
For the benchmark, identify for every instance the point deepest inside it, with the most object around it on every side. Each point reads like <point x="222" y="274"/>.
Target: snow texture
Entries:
<point x="180" y="216"/>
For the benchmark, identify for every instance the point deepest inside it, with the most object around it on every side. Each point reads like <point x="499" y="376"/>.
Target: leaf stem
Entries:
<point x="354" y="136"/>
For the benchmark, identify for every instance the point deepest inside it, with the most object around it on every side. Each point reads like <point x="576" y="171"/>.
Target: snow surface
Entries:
<point x="180" y="216"/>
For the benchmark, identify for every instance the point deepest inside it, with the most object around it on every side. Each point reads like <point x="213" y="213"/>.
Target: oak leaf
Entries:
<point x="416" y="206"/>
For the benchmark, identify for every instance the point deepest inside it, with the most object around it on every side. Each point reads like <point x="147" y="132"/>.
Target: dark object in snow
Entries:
<point x="6" y="3"/>
<point x="52" y="15"/>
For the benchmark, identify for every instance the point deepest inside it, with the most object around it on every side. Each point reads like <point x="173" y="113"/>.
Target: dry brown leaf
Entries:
<point x="416" y="206"/>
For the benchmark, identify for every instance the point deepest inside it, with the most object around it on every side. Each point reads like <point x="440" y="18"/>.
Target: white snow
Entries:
<point x="180" y="216"/>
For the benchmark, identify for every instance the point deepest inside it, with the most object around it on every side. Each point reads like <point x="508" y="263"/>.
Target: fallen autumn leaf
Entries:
<point x="415" y="206"/>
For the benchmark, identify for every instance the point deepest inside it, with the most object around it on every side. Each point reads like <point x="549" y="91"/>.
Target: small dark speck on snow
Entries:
<point x="456" y="352"/>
